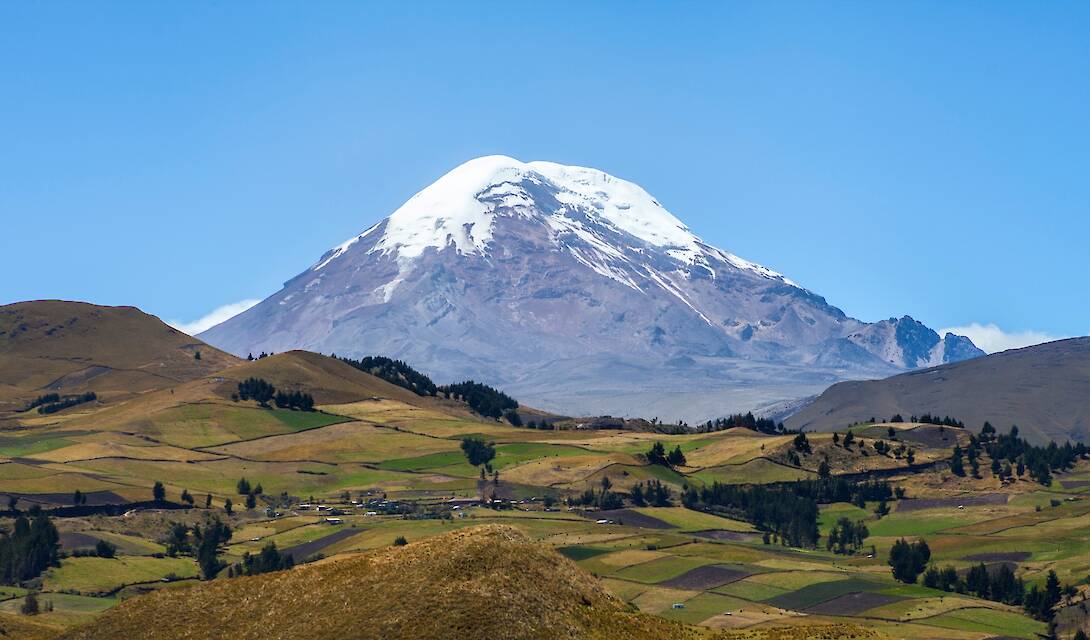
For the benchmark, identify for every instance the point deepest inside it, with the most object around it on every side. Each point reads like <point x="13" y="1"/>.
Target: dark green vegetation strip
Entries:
<point x="817" y="593"/>
<point x="581" y="553"/>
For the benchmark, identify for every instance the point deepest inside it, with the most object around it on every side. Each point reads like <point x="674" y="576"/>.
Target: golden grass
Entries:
<point x="484" y="582"/>
<point x="344" y="442"/>
<point x="93" y="450"/>
<point x="564" y="470"/>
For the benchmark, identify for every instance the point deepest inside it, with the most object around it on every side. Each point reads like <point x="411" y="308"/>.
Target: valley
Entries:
<point x="376" y="466"/>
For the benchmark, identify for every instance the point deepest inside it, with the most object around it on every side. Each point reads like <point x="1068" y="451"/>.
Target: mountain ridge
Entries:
<point x="1044" y="389"/>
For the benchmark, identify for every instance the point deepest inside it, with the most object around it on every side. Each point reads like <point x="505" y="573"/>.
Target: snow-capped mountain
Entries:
<point x="577" y="291"/>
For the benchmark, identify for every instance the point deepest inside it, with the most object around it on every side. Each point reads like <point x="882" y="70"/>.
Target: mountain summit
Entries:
<point x="579" y="292"/>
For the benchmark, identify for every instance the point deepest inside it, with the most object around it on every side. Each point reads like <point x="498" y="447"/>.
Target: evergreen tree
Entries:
<point x="676" y="457"/>
<point x="158" y="492"/>
<point x="657" y="455"/>
<point x="209" y="541"/>
<point x="957" y="466"/>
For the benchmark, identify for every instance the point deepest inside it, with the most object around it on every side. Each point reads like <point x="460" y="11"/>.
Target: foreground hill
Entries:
<point x="1044" y="389"/>
<point x="66" y="347"/>
<point x="484" y="582"/>
<point x="579" y="293"/>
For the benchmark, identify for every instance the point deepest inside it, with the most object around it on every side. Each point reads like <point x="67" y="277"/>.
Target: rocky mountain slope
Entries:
<point x="1044" y="389"/>
<point x="578" y="292"/>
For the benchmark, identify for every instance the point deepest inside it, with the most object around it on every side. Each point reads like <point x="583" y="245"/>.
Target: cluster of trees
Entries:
<point x="482" y="398"/>
<point x="205" y="543"/>
<point x="801" y="444"/>
<point x="262" y="391"/>
<point x="42" y="399"/>
<point x="1001" y="585"/>
<point x="268" y="560"/>
<point x="606" y="499"/>
<point x="743" y="420"/>
<point x="774" y="508"/>
<point x="251" y="492"/>
<point x="654" y="494"/>
<point x="394" y="372"/>
<point x="846" y="536"/>
<point x="262" y="356"/>
<point x="31" y="547"/>
<point x="294" y="400"/>
<point x="478" y="452"/>
<point x="787" y="509"/>
<point x="59" y="404"/>
<point x="1011" y="454"/>
<point x="927" y="418"/>
<point x="257" y="389"/>
<point x="909" y="559"/>
<point x="657" y="455"/>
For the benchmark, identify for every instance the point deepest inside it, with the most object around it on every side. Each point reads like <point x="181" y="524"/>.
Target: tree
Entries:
<point x="932" y="579"/>
<point x="1080" y="635"/>
<point x="30" y="547"/>
<point x="251" y="501"/>
<point x="209" y="540"/>
<point x="228" y="506"/>
<point x="158" y="492"/>
<point x="258" y="490"/>
<point x="657" y="455"/>
<point x="30" y="605"/>
<point x="849" y="438"/>
<point x="186" y="498"/>
<point x="243" y="487"/>
<point x="823" y="469"/>
<point x="400" y="541"/>
<point x="177" y="539"/>
<point x="208" y="501"/>
<point x="268" y="560"/>
<point x="676" y="457"/>
<point x="908" y="560"/>
<point x="477" y="451"/>
<point x="801" y="444"/>
<point x="957" y="467"/>
<point x="104" y="549"/>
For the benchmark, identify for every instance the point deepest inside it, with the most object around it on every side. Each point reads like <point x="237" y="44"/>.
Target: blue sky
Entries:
<point x="920" y="158"/>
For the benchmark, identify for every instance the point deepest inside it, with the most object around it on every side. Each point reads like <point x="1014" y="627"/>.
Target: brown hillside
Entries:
<point x="483" y="582"/>
<point x="329" y="380"/>
<point x="52" y="345"/>
<point x="1044" y="389"/>
<point x="23" y="628"/>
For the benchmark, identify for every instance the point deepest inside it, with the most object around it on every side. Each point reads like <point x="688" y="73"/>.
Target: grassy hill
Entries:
<point x="1044" y="389"/>
<point x="483" y="582"/>
<point x="67" y="347"/>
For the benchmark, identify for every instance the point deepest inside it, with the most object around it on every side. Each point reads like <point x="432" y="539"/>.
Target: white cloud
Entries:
<point x="992" y="339"/>
<point x="216" y="316"/>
